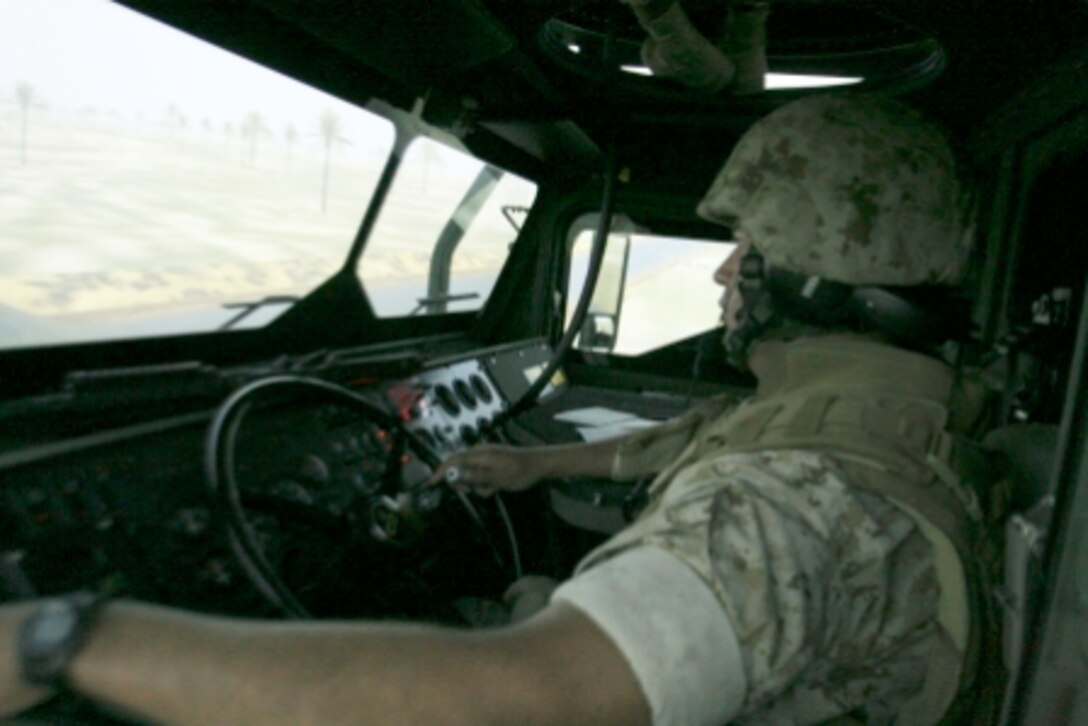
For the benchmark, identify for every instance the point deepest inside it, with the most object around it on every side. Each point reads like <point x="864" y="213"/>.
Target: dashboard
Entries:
<point x="311" y="497"/>
<point x="334" y="497"/>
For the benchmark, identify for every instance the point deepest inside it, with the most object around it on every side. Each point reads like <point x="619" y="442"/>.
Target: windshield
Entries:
<point x="155" y="184"/>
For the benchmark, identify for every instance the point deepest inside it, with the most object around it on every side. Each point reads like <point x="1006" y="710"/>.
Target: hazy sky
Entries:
<point x="91" y="53"/>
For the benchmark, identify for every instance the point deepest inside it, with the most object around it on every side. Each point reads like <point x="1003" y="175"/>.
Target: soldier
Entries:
<point x="800" y="556"/>
<point x="823" y="513"/>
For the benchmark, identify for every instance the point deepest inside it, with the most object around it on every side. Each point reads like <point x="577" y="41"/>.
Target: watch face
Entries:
<point x="55" y="623"/>
<point x="52" y="635"/>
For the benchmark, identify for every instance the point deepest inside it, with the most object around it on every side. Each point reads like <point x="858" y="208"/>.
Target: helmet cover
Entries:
<point x="857" y="190"/>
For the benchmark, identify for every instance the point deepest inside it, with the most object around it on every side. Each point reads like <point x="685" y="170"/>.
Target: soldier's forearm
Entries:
<point x="593" y="459"/>
<point x="173" y="667"/>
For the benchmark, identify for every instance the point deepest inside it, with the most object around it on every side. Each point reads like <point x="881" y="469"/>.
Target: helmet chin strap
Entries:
<point x="757" y="313"/>
<point x="772" y="297"/>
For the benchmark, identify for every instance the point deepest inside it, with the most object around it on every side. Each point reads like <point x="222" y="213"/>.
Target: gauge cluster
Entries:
<point x="320" y="457"/>
<point x="452" y="405"/>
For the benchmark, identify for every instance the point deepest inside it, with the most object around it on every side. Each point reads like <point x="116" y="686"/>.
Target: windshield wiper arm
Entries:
<point x="247" y="308"/>
<point x="427" y="303"/>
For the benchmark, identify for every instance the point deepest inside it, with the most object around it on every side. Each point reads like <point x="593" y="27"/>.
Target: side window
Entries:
<point x="653" y="289"/>
<point x="443" y="234"/>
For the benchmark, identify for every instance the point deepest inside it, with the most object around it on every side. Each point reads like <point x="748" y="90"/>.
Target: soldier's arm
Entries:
<point x="168" y="666"/>
<point x="489" y="468"/>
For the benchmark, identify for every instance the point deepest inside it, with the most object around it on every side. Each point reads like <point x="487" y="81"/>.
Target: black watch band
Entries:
<point x="51" y="636"/>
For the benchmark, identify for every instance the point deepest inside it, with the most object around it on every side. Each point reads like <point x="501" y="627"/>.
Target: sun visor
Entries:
<point x="416" y="42"/>
<point x="560" y="141"/>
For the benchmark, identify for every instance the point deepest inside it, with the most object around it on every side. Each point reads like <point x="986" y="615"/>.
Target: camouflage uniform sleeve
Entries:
<point x="650" y="450"/>
<point x="831" y="590"/>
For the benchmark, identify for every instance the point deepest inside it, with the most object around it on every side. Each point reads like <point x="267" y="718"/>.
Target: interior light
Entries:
<point x="574" y="48"/>
<point x="777" y="81"/>
<point x="780" y="81"/>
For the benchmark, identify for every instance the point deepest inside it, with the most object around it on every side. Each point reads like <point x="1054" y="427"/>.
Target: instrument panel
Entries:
<point x="451" y="406"/>
<point x="129" y="505"/>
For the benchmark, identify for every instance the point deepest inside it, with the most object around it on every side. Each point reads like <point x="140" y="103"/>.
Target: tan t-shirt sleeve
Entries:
<point x="675" y="636"/>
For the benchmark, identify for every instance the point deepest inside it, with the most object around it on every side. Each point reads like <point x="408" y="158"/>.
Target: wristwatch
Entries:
<point x="53" y="634"/>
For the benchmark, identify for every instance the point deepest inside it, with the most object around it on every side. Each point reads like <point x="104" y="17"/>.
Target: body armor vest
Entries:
<point x="880" y="413"/>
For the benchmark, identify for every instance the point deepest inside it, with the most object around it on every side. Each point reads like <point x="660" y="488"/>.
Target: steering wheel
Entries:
<point x="389" y="505"/>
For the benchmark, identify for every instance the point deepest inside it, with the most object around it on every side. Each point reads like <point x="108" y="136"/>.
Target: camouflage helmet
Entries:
<point x="862" y="191"/>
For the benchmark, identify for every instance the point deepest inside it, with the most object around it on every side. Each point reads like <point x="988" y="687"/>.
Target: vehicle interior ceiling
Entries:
<point x="1005" y="78"/>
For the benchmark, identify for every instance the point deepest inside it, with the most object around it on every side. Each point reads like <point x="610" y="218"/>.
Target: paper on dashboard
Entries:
<point x="597" y="423"/>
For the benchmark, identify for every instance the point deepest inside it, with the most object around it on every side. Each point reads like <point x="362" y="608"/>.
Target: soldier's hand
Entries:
<point x="490" y="468"/>
<point x="16" y="695"/>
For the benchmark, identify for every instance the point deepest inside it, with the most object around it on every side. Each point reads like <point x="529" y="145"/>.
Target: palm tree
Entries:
<point x="329" y="130"/>
<point x="252" y="127"/>
<point x="26" y="98"/>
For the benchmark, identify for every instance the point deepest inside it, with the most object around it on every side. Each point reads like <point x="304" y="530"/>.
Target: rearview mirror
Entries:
<point x="598" y="333"/>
